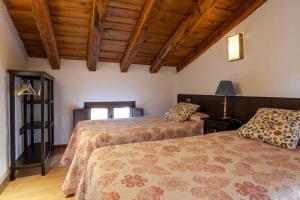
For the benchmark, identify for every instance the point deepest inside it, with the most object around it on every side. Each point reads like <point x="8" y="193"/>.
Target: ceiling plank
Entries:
<point x="239" y="15"/>
<point x="41" y="14"/>
<point x="184" y="29"/>
<point x="138" y="36"/>
<point x="96" y="32"/>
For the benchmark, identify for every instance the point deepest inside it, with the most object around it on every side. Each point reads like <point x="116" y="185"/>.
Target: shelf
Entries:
<point x="37" y="101"/>
<point x="30" y="74"/>
<point x="32" y="156"/>
<point x="35" y="125"/>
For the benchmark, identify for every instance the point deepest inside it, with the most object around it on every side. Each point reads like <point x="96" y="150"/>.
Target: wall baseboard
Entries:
<point x="60" y="146"/>
<point x="4" y="184"/>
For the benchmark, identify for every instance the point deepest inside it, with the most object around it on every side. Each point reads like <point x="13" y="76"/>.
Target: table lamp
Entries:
<point x="225" y="89"/>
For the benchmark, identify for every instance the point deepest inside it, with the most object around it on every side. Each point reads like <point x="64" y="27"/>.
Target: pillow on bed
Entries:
<point x="274" y="126"/>
<point x="198" y="116"/>
<point x="181" y="111"/>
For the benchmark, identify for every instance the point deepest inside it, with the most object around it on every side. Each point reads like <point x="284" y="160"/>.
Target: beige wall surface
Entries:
<point x="271" y="66"/>
<point x="12" y="55"/>
<point x="74" y="85"/>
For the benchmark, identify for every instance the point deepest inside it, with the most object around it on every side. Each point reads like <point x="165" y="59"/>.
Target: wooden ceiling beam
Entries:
<point x="238" y="16"/>
<point x="41" y="14"/>
<point x="184" y="29"/>
<point x="138" y="36"/>
<point x="95" y="33"/>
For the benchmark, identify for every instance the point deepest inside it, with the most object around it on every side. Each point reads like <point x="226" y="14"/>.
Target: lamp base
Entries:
<point x="225" y="108"/>
<point x="226" y="117"/>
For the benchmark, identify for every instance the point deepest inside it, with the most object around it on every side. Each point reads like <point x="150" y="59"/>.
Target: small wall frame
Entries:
<point x="235" y="47"/>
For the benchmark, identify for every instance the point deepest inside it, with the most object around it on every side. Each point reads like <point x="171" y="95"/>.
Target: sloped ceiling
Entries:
<point x="152" y="32"/>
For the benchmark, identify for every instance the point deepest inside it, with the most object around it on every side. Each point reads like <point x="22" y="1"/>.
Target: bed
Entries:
<point x="214" y="166"/>
<point x="90" y="135"/>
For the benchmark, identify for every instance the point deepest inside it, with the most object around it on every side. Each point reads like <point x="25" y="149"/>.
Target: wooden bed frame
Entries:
<point x="85" y="113"/>
<point x="239" y="107"/>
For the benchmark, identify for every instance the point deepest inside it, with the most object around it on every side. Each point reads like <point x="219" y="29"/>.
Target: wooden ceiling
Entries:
<point x="152" y="32"/>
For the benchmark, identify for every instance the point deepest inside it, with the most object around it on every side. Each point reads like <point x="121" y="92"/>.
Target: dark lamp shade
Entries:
<point x="226" y="88"/>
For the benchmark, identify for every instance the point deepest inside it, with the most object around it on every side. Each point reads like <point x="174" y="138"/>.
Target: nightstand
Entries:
<point x="214" y="124"/>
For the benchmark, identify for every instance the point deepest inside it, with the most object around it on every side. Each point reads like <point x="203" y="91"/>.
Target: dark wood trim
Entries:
<point x="12" y="126"/>
<point x="49" y="116"/>
<point x="31" y="118"/>
<point x="25" y="134"/>
<point x="109" y="104"/>
<point x="239" y="107"/>
<point x="52" y="112"/>
<point x="136" y="112"/>
<point x="43" y="151"/>
<point x="80" y="114"/>
<point x="30" y="74"/>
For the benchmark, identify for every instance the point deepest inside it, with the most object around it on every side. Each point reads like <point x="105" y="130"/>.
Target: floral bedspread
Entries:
<point x="90" y="135"/>
<point x="215" y="166"/>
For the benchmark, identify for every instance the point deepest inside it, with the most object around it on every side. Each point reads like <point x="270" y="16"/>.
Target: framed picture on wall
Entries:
<point x="235" y="47"/>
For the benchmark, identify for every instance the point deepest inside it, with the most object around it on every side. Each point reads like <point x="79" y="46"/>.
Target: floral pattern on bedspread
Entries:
<point x="216" y="166"/>
<point x="90" y="135"/>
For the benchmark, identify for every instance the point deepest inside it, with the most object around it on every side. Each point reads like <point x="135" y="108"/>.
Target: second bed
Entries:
<point x="90" y="135"/>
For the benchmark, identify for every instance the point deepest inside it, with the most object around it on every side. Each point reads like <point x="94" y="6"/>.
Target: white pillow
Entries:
<point x="198" y="116"/>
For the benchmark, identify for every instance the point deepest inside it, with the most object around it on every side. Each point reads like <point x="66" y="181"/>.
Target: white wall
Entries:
<point x="271" y="66"/>
<point x="12" y="55"/>
<point x="74" y="85"/>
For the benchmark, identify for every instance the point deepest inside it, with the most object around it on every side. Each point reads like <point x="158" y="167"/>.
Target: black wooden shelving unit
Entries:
<point x="35" y="153"/>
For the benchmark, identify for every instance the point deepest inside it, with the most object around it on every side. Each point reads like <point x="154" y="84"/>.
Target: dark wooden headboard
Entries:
<point x="81" y="114"/>
<point x="239" y="107"/>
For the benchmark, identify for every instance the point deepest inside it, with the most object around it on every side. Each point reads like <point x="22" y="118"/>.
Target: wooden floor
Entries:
<point x="38" y="187"/>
